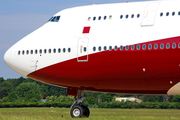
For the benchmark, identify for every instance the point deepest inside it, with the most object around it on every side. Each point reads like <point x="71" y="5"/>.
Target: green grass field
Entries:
<point x="96" y="114"/>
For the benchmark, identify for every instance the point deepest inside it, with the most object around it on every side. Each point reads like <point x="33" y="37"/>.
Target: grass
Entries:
<point x="96" y="114"/>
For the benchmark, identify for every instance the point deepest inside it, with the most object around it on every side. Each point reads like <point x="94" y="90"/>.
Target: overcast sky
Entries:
<point x="18" y="18"/>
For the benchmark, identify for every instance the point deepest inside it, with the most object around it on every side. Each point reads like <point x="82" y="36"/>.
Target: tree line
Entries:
<point x="28" y="90"/>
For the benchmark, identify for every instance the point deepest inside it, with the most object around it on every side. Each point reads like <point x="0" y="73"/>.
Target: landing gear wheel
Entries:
<point x="77" y="111"/>
<point x="87" y="112"/>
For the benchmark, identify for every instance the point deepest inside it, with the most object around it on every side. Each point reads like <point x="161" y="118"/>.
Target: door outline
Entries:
<point x="82" y="50"/>
<point x="150" y="14"/>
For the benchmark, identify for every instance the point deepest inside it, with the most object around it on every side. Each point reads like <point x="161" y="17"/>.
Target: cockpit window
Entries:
<point x="54" y="19"/>
<point x="50" y="19"/>
<point x="57" y="18"/>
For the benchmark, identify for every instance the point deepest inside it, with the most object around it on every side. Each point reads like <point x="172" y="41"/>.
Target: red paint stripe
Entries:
<point x="119" y="71"/>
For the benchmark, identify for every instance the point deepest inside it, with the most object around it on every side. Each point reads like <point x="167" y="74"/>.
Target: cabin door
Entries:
<point x="82" y="50"/>
<point x="150" y="14"/>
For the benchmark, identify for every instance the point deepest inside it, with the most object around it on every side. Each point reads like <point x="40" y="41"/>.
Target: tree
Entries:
<point x="51" y="98"/>
<point x="3" y="93"/>
<point x="176" y="98"/>
<point x="33" y="100"/>
<point x="5" y="88"/>
<point x="105" y="97"/>
<point x="12" y="97"/>
<point x="6" y="85"/>
<point x="153" y="98"/>
<point x="44" y="95"/>
<point x="16" y="82"/>
<point x="1" y="79"/>
<point x="91" y="100"/>
<point x="28" y="90"/>
<point x="30" y="96"/>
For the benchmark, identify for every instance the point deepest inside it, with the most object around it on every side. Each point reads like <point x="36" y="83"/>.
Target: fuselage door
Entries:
<point x="150" y="14"/>
<point x="82" y="50"/>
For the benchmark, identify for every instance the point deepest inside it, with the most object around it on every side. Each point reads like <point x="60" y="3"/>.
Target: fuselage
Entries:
<point x="121" y="48"/>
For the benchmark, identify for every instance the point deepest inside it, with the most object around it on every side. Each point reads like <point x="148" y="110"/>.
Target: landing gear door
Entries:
<point x="82" y="50"/>
<point x="150" y="14"/>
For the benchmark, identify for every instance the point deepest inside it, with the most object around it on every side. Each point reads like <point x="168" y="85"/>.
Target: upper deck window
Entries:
<point x="54" y="19"/>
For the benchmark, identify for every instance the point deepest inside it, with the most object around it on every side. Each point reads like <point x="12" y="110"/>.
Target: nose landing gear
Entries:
<point x="78" y="110"/>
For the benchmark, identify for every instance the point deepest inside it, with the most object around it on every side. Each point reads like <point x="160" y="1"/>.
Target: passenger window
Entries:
<point x="167" y="14"/>
<point x="94" y="18"/>
<point x="110" y="48"/>
<point x="127" y="47"/>
<point x="138" y="47"/>
<point x="99" y="17"/>
<point x="69" y="49"/>
<point x="49" y="50"/>
<point x="178" y="13"/>
<point x="105" y="48"/>
<point x="173" y="13"/>
<point x="64" y="50"/>
<point x="144" y="47"/>
<point x="155" y="46"/>
<point x="121" y="16"/>
<point x="89" y="18"/>
<point x="40" y="51"/>
<point x="31" y="51"/>
<point x="121" y="47"/>
<point x="149" y="46"/>
<point x="105" y="17"/>
<point x="94" y="48"/>
<point x="132" y="16"/>
<point x="27" y="52"/>
<point x="167" y="45"/>
<point x="54" y="50"/>
<point x="161" y="14"/>
<point x="132" y="47"/>
<point x="115" y="48"/>
<point x="127" y="16"/>
<point x="179" y="45"/>
<point x="174" y="45"/>
<point x="85" y="49"/>
<point x="138" y="15"/>
<point x="110" y="17"/>
<point x="45" y="51"/>
<point x="19" y="52"/>
<point x="162" y="46"/>
<point x="99" y="48"/>
<point x="59" y="50"/>
<point x="23" y="52"/>
<point x="36" y="51"/>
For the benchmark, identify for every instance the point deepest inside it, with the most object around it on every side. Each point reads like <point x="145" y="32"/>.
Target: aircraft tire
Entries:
<point x="87" y="112"/>
<point x="77" y="111"/>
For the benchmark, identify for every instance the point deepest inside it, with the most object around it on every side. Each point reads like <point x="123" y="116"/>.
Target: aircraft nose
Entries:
<point x="18" y="63"/>
<point x="11" y="59"/>
<point x="6" y="57"/>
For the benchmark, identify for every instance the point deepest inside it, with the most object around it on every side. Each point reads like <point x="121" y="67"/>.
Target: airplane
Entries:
<point x="131" y="48"/>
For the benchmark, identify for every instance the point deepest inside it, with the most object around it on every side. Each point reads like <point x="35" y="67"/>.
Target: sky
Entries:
<point x="19" y="18"/>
